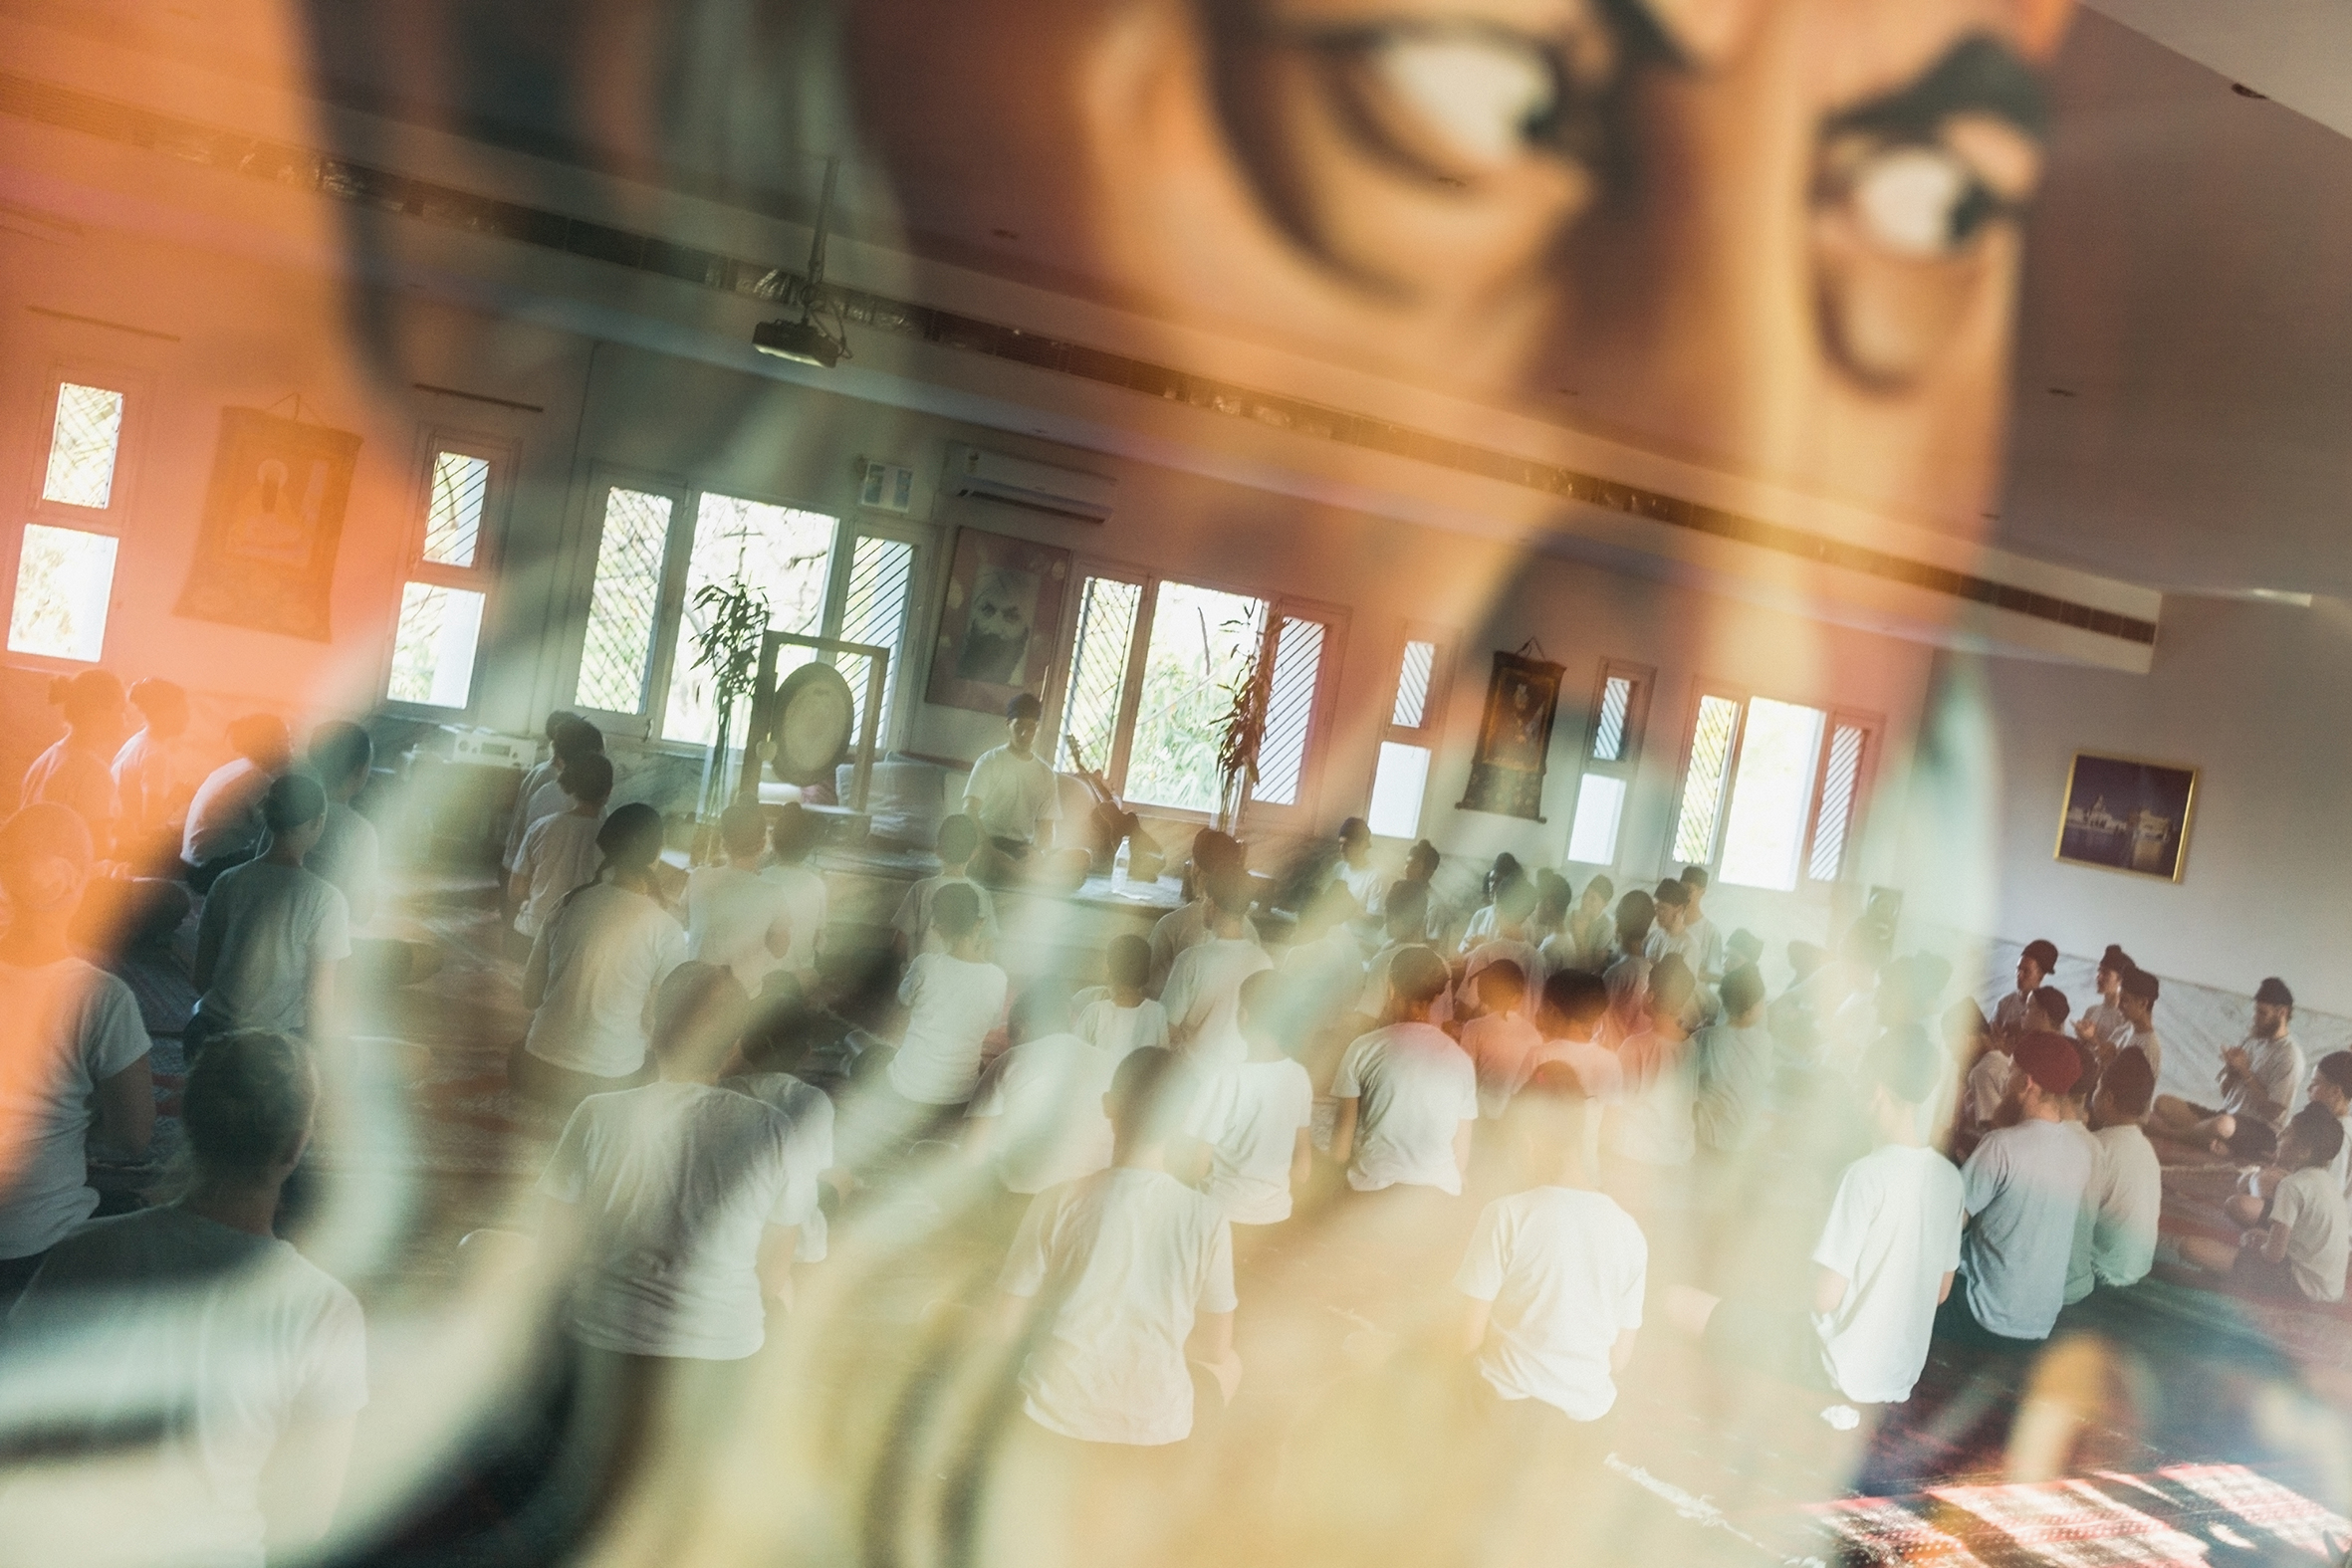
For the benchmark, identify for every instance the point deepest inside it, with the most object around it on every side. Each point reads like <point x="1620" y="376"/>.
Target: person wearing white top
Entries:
<point x="1012" y="793"/>
<point x="594" y="970"/>
<point x="2104" y="1024"/>
<point x="1123" y="1019"/>
<point x="1884" y="1261"/>
<point x="77" y="773"/>
<point x="1255" y="1116"/>
<point x="74" y="1068"/>
<point x="1402" y="922"/>
<point x="2034" y="963"/>
<point x="1502" y="1040"/>
<point x="1037" y="1118"/>
<point x="2303" y="1247"/>
<point x="1203" y="988"/>
<point x="146" y="770"/>
<point x="1355" y="874"/>
<point x="1407" y="1095"/>
<point x="1571" y="1014"/>
<point x="272" y="931"/>
<point x="2260" y="1079"/>
<point x="1733" y="1061"/>
<point x="1324" y="963"/>
<point x="2127" y="1185"/>
<point x="959" y="841"/>
<point x="347" y="852"/>
<point x="2022" y="1187"/>
<point x="218" y="1371"/>
<point x="570" y="737"/>
<point x="1669" y="934"/>
<point x="559" y="851"/>
<point x="793" y="838"/>
<point x="954" y="998"/>
<point x="1131" y="1274"/>
<point x="1554" y="1277"/>
<point x="224" y="822"/>
<point x="1655" y="1125"/>
<point x="1703" y="938"/>
<point x="734" y="914"/>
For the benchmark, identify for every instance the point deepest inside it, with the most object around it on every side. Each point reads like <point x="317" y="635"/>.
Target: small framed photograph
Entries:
<point x="2125" y="814"/>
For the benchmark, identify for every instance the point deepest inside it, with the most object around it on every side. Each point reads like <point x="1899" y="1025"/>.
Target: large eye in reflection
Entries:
<point x="1907" y="189"/>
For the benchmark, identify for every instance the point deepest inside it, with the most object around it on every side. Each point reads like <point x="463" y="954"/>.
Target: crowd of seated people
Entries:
<point x="1568" y="1092"/>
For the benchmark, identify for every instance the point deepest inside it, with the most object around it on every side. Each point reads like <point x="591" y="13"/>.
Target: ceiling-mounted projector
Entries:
<point x="802" y="341"/>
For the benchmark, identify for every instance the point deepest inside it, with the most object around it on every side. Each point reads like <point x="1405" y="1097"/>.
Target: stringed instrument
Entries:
<point x="1112" y="821"/>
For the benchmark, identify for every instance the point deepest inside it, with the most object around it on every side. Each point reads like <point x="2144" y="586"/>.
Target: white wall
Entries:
<point x="2258" y="698"/>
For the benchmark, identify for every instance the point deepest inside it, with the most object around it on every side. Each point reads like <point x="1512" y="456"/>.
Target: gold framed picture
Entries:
<point x="2124" y="813"/>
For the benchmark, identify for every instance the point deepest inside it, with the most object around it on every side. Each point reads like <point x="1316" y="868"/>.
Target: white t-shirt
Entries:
<point x="1894" y="1232"/>
<point x="1250" y="1115"/>
<point x="954" y="1005"/>
<point x="2319" y="1233"/>
<point x="348" y="855"/>
<point x="266" y="928"/>
<point x="1735" y="1073"/>
<point x="224" y="818"/>
<point x="1564" y="1269"/>
<point x="2108" y="1025"/>
<point x="2149" y="1046"/>
<point x="145" y="778"/>
<point x="811" y="1153"/>
<point x="913" y="919"/>
<point x="2022" y="1187"/>
<point x="1203" y="998"/>
<point x="729" y="914"/>
<point x="1046" y="1097"/>
<point x="558" y="854"/>
<point x="67" y="1028"/>
<point x="674" y="1184"/>
<point x="1656" y="1122"/>
<point x="1597" y="1070"/>
<point x="1416" y="1090"/>
<point x="1014" y="792"/>
<point x="211" y="1345"/>
<point x="1171" y="934"/>
<point x="79" y="780"/>
<point x="1117" y="1030"/>
<point x="1987" y="1086"/>
<point x="2126" y="1193"/>
<point x="2275" y="1067"/>
<point x="1499" y="1047"/>
<point x="804" y="896"/>
<point x="607" y="952"/>
<point x="537" y="802"/>
<point x="1121" y="1262"/>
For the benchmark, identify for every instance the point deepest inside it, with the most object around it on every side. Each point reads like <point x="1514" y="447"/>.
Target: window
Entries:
<point x="1612" y="745"/>
<point x="1401" y="776"/>
<point x="1771" y="790"/>
<point x="65" y="566"/>
<point x="438" y="639"/>
<point x="659" y="546"/>
<point x="1152" y="671"/>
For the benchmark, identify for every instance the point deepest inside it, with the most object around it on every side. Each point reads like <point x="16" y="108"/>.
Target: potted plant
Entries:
<point x="731" y="619"/>
<point x="1239" y="734"/>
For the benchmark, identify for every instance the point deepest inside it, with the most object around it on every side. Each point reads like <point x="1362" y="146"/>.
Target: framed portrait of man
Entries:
<point x="998" y="622"/>
<point x="1513" y="738"/>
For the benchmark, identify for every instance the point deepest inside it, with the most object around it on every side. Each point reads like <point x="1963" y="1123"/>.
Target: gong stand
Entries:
<point x="761" y="740"/>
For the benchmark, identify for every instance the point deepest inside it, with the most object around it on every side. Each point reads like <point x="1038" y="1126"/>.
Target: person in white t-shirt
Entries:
<point x="1574" y="1001"/>
<point x="1203" y="988"/>
<point x="559" y="852"/>
<point x="2022" y="1187"/>
<point x="1502" y="1040"/>
<point x="910" y="926"/>
<point x="73" y="1068"/>
<point x="1256" y="1115"/>
<point x="2303" y="1247"/>
<point x="2035" y="963"/>
<point x="2260" y="1079"/>
<point x="1125" y="1277"/>
<point x="1554" y="1278"/>
<point x="146" y="770"/>
<point x="954" y="998"/>
<point x="1404" y="918"/>
<point x="1504" y="870"/>
<point x="272" y="931"/>
<point x="76" y="772"/>
<point x="570" y="737"/>
<point x="1036" y="1117"/>
<point x="734" y="914"/>
<point x="1506" y="940"/>
<point x="1355" y="873"/>
<point x="1669" y="934"/>
<point x="594" y="970"/>
<point x="1733" y="1061"/>
<point x="793" y="838"/>
<point x="1884" y="1261"/>
<point x="2135" y="999"/>
<point x="1653" y="1129"/>
<point x="1324" y="962"/>
<point x="1703" y="938"/>
<point x="1407" y="1095"/>
<point x="224" y="827"/>
<point x="670" y="1214"/>
<point x="1012" y="793"/>
<point x="2104" y="1024"/>
<point x="1123" y="1019"/>
<point x="2115" y="1248"/>
<point x="1213" y="853"/>
<point x="211" y="1375"/>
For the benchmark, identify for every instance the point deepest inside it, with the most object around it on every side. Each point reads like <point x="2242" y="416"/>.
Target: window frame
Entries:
<point x="1279" y="607"/>
<point x="1626" y="765"/>
<point x="113" y="521"/>
<point x="902" y="693"/>
<point x="505" y="459"/>
<point x="1434" y="707"/>
<point x="1833" y="717"/>
<point x="652" y="684"/>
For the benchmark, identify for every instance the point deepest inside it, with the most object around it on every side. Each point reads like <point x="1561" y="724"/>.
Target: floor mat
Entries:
<point x="166" y="995"/>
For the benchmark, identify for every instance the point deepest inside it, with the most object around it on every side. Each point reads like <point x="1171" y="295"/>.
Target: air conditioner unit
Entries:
<point x="1038" y="487"/>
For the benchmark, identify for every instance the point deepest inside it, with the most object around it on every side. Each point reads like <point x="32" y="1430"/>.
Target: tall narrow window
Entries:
<point x="624" y="601"/>
<point x="1711" y="739"/>
<point x="64" y="569"/>
<point x="1841" y="782"/>
<point x="1098" y="659"/>
<point x="1290" y="711"/>
<point x="873" y="611"/>
<point x="783" y="552"/>
<point x="1400" y="776"/>
<point x="1612" y="746"/>
<point x="437" y="638"/>
<point x="1201" y="640"/>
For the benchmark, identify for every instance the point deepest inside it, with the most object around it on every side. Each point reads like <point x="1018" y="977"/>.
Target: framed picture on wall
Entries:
<point x="273" y="519"/>
<point x="1513" y="738"/>
<point x="2125" y="814"/>
<point x="998" y="623"/>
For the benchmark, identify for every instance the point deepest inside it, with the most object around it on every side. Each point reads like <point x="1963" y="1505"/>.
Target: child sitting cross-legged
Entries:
<point x="1256" y="1115"/>
<point x="1122" y="1018"/>
<point x="1501" y="1039"/>
<point x="2300" y="1248"/>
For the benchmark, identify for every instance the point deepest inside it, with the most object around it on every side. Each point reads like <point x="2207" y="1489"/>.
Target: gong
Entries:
<point x="813" y="715"/>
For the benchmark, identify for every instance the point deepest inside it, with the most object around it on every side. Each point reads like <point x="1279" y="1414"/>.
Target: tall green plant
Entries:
<point x="1239" y="734"/>
<point x="731" y="623"/>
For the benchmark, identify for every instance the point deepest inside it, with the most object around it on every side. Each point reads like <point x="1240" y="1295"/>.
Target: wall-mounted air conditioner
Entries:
<point x="1018" y="482"/>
